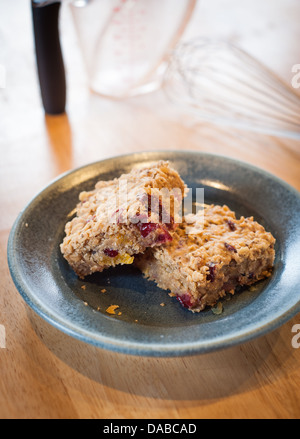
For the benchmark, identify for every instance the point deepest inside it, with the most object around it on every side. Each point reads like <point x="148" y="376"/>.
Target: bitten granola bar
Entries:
<point x="122" y="217"/>
<point x="201" y="268"/>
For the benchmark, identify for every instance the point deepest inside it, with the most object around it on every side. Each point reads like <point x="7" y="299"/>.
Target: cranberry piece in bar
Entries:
<point x="146" y="228"/>
<point x="110" y="252"/>
<point x="230" y="247"/>
<point x="164" y="236"/>
<point x="231" y="225"/>
<point x="212" y="272"/>
<point x="185" y="300"/>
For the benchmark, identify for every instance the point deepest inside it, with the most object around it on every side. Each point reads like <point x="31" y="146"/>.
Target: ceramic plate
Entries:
<point x="78" y="307"/>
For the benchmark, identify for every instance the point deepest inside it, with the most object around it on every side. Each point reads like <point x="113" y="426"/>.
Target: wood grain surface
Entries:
<point x="43" y="372"/>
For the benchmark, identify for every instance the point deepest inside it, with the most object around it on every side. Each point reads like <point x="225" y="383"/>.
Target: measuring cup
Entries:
<point x="125" y="43"/>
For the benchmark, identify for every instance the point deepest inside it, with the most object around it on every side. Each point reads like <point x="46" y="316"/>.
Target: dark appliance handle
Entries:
<point x="50" y="65"/>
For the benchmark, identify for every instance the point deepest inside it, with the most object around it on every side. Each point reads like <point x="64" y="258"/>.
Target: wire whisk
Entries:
<point x="221" y="83"/>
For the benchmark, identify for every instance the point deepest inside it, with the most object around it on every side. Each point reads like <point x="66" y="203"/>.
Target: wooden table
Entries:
<point x="46" y="374"/>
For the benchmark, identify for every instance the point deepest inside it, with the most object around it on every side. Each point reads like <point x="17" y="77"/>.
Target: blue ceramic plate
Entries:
<point x="50" y="287"/>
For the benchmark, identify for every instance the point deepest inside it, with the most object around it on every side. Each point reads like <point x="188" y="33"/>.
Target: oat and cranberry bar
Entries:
<point x="201" y="267"/>
<point x="122" y="217"/>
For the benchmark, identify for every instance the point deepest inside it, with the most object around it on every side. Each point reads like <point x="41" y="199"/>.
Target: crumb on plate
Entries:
<point x="112" y="309"/>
